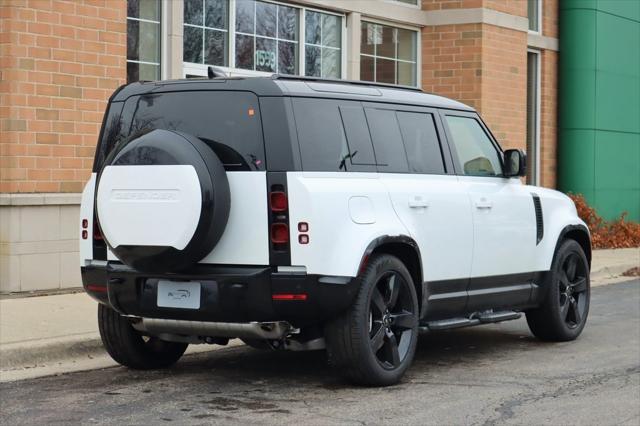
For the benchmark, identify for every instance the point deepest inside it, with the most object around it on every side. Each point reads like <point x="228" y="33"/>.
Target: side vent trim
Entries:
<point x="539" y="218"/>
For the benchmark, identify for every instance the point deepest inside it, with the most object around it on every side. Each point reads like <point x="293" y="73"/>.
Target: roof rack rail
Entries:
<point x="340" y="81"/>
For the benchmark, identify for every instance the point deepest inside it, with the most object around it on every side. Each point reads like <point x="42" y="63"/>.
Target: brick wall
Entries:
<point x="550" y="18"/>
<point x="504" y="84"/>
<point x="451" y="62"/>
<point x="549" y="119"/>
<point x="60" y="61"/>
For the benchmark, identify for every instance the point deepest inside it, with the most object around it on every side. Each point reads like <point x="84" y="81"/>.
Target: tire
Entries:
<point x="128" y="347"/>
<point x="383" y="316"/>
<point x="563" y="313"/>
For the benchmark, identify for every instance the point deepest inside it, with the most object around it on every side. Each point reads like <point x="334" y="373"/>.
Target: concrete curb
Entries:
<point x="22" y="355"/>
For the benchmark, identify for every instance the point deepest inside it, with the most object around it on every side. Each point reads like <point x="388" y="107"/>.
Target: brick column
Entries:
<point x="59" y="63"/>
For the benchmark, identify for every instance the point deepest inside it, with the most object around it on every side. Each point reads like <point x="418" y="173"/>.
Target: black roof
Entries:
<point x="279" y="85"/>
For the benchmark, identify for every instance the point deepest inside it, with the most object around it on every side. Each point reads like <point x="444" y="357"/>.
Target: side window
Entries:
<point x="421" y="142"/>
<point x="358" y="138"/>
<point x="323" y="144"/>
<point x="387" y="140"/>
<point x="477" y="156"/>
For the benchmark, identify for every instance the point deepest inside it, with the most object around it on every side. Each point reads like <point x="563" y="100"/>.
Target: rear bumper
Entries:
<point x="228" y="293"/>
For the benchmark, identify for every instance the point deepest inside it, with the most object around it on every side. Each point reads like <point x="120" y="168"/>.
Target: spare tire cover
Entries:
<point x="162" y="201"/>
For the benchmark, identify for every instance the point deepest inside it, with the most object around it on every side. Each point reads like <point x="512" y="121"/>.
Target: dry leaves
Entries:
<point x="618" y="233"/>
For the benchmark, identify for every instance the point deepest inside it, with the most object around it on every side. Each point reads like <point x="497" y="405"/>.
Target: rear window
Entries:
<point x="229" y="122"/>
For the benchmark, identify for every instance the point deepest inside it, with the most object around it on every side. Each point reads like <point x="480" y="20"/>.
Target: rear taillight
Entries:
<point x="97" y="233"/>
<point x="278" y="220"/>
<point x="278" y="201"/>
<point x="279" y="233"/>
<point x="85" y="225"/>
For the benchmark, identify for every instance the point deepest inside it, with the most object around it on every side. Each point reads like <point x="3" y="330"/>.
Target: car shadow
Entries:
<point x="245" y="364"/>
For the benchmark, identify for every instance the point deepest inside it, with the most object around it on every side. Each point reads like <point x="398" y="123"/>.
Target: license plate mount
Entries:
<point x="179" y="294"/>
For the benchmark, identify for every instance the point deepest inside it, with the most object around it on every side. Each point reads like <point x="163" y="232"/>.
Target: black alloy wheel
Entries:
<point x="374" y="341"/>
<point x="563" y="311"/>
<point x="392" y="318"/>
<point x="572" y="295"/>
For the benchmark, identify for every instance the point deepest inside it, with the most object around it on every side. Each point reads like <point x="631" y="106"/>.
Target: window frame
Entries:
<point x="417" y="31"/>
<point x="452" y="147"/>
<point x="189" y="68"/>
<point x="163" y="24"/>
<point x="417" y="5"/>
<point x="538" y="30"/>
<point x="535" y="166"/>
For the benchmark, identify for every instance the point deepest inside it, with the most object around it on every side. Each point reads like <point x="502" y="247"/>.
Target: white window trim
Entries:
<point x="536" y="171"/>
<point x="189" y="68"/>
<point x="418" y="32"/>
<point x="539" y="30"/>
<point x="418" y="4"/>
<point x="163" y="38"/>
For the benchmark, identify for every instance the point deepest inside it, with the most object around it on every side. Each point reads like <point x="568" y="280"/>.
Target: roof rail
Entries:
<point x="339" y="81"/>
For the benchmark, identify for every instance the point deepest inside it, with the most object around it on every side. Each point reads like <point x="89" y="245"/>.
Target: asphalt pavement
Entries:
<point x="496" y="374"/>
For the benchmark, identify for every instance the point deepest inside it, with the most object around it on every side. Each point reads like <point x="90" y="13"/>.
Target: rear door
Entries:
<point x="427" y="198"/>
<point x="504" y="232"/>
<point x="230" y="124"/>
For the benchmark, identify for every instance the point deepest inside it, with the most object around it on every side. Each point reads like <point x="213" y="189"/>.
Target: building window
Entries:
<point x="206" y="32"/>
<point x="266" y="37"/>
<point x="323" y="41"/>
<point x="533" y="117"/>
<point x="534" y="10"/>
<point x="143" y="40"/>
<point x="411" y="2"/>
<point x="388" y="54"/>
<point x="254" y="37"/>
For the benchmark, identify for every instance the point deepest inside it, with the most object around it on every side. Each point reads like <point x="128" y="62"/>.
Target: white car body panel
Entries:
<point x="435" y="209"/>
<point x="559" y="212"/>
<point x="504" y="226"/>
<point x="245" y="240"/>
<point x="337" y="242"/>
<point x="86" y="212"/>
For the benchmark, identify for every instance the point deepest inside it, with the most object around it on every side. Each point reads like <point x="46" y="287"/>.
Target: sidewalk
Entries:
<point x="47" y="335"/>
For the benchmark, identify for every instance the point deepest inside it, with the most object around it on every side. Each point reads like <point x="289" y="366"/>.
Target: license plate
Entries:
<point x="176" y="294"/>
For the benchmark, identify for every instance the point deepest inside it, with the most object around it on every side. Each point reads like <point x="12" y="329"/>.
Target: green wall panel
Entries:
<point x="611" y="203"/>
<point x="617" y="157"/>
<point x="617" y="102"/>
<point x="599" y="96"/>
<point x="579" y="173"/>
<point x="629" y="9"/>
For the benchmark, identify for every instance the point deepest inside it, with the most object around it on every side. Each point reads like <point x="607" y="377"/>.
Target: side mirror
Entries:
<point x="515" y="163"/>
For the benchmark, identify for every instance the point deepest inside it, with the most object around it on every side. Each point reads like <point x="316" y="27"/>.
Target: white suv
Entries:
<point x="302" y="214"/>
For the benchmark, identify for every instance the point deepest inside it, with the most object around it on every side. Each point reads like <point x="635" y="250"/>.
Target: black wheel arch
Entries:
<point x="404" y="248"/>
<point x="578" y="233"/>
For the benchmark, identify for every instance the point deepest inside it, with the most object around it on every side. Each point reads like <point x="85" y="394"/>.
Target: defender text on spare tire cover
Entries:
<point x="163" y="201"/>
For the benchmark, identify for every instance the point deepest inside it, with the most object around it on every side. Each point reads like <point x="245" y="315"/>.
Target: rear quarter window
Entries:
<point x="323" y="143"/>
<point x="229" y="122"/>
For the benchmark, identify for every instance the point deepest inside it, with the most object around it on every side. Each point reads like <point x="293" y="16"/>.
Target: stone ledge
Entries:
<point x="40" y="199"/>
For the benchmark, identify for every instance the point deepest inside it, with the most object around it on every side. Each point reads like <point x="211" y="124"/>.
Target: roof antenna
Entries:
<point x="214" y="72"/>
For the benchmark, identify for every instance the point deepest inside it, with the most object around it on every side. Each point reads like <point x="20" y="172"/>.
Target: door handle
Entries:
<point x="418" y="203"/>
<point x="483" y="203"/>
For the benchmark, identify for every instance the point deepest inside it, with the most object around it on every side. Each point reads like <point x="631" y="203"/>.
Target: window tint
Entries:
<point x="477" y="156"/>
<point x="358" y="138"/>
<point x="421" y="142"/>
<point x="229" y="122"/>
<point x="387" y="140"/>
<point x="323" y="144"/>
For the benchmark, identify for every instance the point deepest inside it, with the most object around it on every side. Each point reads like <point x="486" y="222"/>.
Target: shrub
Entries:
<point x="618" y="233"/>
